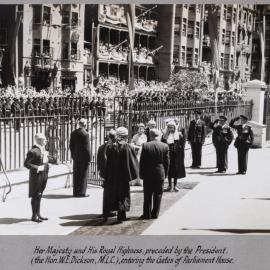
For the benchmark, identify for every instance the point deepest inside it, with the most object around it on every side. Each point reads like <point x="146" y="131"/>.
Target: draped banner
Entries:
<point x="13" y="52"/>
<point x="130" y="17"/>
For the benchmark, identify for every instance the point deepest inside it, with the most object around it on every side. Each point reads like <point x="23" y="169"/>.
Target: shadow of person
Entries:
<point x="57" y="196"/>
<point x="84" y="223"/>
<point x="220" y="174"/>
<point x="12" y="220"/>
<point x="82" y="217"/>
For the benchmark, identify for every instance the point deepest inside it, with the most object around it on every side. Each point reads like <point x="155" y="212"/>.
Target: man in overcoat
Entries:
<point x="37" y="161"/>
<point x="101" y="166"/>
<point x="196" y="138"/>
<point x="121" y="168"/>
<point x="80" y="152"/>
<point x="154" y="164"/>
<point x="222" y="138"/>
<point x="243" y="141"/>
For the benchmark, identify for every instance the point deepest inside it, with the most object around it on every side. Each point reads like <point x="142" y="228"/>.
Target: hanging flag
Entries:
<point x="131" y="19"/>
<point x="213" y="34"/>
<point x="13" y="52"/>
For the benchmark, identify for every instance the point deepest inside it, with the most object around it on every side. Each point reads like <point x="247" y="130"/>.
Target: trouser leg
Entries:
<point x="34" y="207"/>
<point x="245" y="159"/>
<point x="239" y="152"/>
<point x="157" y="196"/>
<point x="199" y="154"/>
<point x="147" y="202"/>
<point x="193" y="152"/>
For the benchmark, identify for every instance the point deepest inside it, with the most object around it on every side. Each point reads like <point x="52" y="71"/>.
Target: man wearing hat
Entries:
<point x="150" y="125"/>
<point x="154" y="165"/>
<point x="196" y="138"/>
<point x="36" y="161"/>
<point x="222" y="138"/>
<point x="243" y="141"/>
<point x="121" y="168"/>
<point x="81" y="155"/>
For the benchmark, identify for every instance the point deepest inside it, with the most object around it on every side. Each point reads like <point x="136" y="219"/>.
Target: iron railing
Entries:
<point x="17" y="137"/>
<point x="130" y="113"/>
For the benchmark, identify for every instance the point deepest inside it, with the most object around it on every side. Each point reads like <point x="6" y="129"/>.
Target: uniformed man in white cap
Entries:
<point x="81" y="155"/>
<point x="37" y="161"/>
<point x="121" y="168"/>
<point x="243" y="141"/>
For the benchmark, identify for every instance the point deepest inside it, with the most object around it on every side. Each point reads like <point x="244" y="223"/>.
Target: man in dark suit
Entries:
<point x="81" y="155"/>
<point x="196" y="138"/>
<point x="36" y="161"/>
<point x="154" y="164"/>
<point x="243" y="141"/>
<point x="222" y="138"/>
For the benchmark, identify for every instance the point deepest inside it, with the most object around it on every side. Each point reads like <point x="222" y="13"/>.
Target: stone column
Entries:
<point x="255" y="92"/>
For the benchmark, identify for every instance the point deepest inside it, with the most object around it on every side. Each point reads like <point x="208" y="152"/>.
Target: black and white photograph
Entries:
<point x="134" y="119"/>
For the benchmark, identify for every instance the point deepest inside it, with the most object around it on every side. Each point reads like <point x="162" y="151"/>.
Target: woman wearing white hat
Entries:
<point x="176" y="139"/>
<point x="137" y="141"/>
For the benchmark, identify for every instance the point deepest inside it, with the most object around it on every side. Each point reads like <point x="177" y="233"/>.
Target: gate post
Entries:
<point x="255" y="90"/>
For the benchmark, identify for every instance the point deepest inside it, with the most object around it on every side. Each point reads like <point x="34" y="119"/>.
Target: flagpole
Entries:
<point x="16" y="54"/>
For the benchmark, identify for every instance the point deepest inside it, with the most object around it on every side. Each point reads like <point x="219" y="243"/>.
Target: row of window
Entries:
<point x="69" y="50"/>
<point x="42" y="15"/>
<point x="189" y="28"/>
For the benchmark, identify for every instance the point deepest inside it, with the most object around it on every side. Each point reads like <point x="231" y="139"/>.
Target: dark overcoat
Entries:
<point x="37" y="180"/>
<point x="81" y="155"/>
<point x="121" y="168"/>
<point x="197" y="131"/>
<point x="154" y="162"/>
<point x="177" y="156"/>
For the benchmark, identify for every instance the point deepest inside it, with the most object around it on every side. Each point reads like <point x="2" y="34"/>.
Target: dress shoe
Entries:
<point x="36" y="219"/>
<point x="144" y="217"/>
<point x="43" y="218"/>
<point x="238" y="173"/>
<point x="243" y="173"/>
<point x="169" y="189"/>
<point x="81" y="196"/>
<point x="176" y="189"/>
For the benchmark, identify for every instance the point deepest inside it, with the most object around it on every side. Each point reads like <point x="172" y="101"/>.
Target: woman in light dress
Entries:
<point x="137" y="141"/>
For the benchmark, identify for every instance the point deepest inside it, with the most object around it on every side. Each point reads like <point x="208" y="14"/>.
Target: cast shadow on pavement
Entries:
<point x="212" y="173"/>
<point x="82" y="217"/>
<point x="96" y="221"/>
<point x="261" y="199"/>
<point x="235" y="231"/>
<point x="12" y="220"/>
<point x="57" y="196"/>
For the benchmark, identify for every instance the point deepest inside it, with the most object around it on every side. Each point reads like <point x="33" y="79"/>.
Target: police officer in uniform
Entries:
<point x="196" y="138"/>
<point x="222" y="138"/>
<point x="243" y="141"/>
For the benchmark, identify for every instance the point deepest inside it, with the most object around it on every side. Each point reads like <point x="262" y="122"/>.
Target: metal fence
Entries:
<point x="17" y="133"/>
<point x="17" y="137"/>
<point x="130" y="113"/>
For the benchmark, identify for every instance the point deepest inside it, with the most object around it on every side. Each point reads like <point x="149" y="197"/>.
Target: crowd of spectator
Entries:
<point x="98" y="100"/>
<point x="120" y="53"/>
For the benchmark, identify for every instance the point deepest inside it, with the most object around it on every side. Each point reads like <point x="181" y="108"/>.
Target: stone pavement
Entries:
<point x="222" y="203"/>
<point x="207" y="203"/>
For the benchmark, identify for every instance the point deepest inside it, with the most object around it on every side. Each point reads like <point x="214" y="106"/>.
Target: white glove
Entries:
<point x="40" y="168"/>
